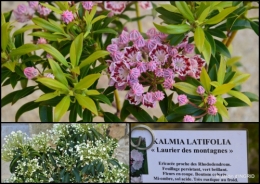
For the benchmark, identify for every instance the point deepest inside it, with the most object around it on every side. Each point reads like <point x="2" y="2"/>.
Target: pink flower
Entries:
<point x="33" y="4"/>
<point x="189" y="48"/>
<point x="173" y="52"/>
<point x="151" y="32"/>
<point x="159" y="53"/>
<point x="48" y="56"/>
<point x="87" y="5"/>
<point x="134" y="73"/>
<point x="134" y="35"/>
<point x="159" y="72"/>
<point x="168" y="83"/>
<point x="43" y="10"/>
<point x="211" y="99"/>
<point x="151" y="44"/>
<point x="158" y="95"/>
<point x="120" y="72"/>
<point x="167" y="73"/>
<point x="133" y="99"/>
<point x="49" y="75"/>
<point x="141" y="66"/>
<point x="67" y="16"/>
<point x="188" y="118"/>
<point x="112" y="48"/>
<point x="181" y="64"/>
<point x="132" y="55"/>
<point x="124" y="37"/>
<point x="148" y="100"/>
<point x="30" y="72"/>
<point x="139" y="42"/>
<point x="183" y="44"/>
<point x="117" y="7"/>
<point x="137" y="89"/>
<point x="196" y="64"/>
<point x="182" y="99"/>
<point x="117" y="56"/>
<point x="151" y="66"/>
<point x="146" y="5"/>
<point x="200" y="90"/>
<point x="23" y="13"/>
<point x="41" y="41"/>
<point x="212" y="110"/>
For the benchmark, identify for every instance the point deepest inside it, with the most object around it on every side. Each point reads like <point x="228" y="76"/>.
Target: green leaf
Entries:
<point x="233" y="60"/>
<point x="224" y="88"/>
<point x="105" y="30"/>
<point x="176" y="39"/>
<point x="217" y="33"/>
<point x="219" y="17"/>
<point x="100" y="17"/>
<point x="162" y="119"/>
<point x="102" y="98"/>
<point x="26" y="28"/>
<point x="87" y="81"/>
<point x="4" y="35"/>
<point x="46" y="96"/>
<point x="173" y="29"/>
<point x="109" y="117"/>
<point x="124" y="112"/>
<point x="77" y="176"/>
<point x="56" y="10"/>
<point x="87" y="116"/>
<point x="240" y="96"/>
<point x="76" y="50"/>
<point x="24" y="49"/>
<point x="222" y="110"/>
<point x="253" y="97"/>
<point x="55" y="53"/>
<point x="23" y="93"/>
<point x="185" y="10"/>
<point x="206" y="51"/>
<point x="199" y="38"/>
<point x="204" y="14"/>
<point x="52" y="83"/>
<point x="46" y="25"/>
<point x="170" y="8"/>
<point x="24" y="108"/>
<point x="87" y="103"/>
<point x="73" y="113"/>
<point x="205" y="80"/>
<point x="61" y="108"/>
<point x="239" y="78"/>
<point x="57" y="72"/>
<point x="255" y="26"/>
<point x="186" y="87"/>
<point x="240" y="24"/>
<point x="222" y="49"/>
<point x="215" y="84"/>
<point x="93" y="57"/>
<point x="221" y="71"/>
<point x="211" y="42"/>
<point x="48" y="36"/>
<point x="140" y="114"/>
<point x="45" y="113"/>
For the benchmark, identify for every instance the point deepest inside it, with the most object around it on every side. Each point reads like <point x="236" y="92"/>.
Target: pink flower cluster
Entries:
<point x="116" y="7"/>
<point x="137" y="63"/>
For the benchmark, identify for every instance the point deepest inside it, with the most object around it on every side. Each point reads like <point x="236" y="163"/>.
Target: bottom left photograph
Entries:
<point x="65" y="153"/>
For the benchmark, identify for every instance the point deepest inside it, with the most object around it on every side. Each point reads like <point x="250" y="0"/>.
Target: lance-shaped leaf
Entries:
<point x="222" y="110"/>
<point x="46" y="96"/>
<point x="162" y="119"/>
<point x="199" y="38"/>
<point x="58" y="73"/>
<point x="76" y="50"/>
<point x="26" y="28"/>
<point x="61" y="108"/>
<point x="48" y="36"/>
<point x="240" y="96"/>
<point x="55" y="53"/>
<point x="56" y="10"/>
<point x="219" y="17"/>
<point x="239" y="78"/>
<point x="223" y="89"/>
<point x="87" y="103"/>
<point x="221" y="70"/>
<point x="4" y="35"/>
<point x="24" y="49"/>
<point x="204" y="14"/>
<point x="93" y="57"/>
<point x="170" y="8"/>
<point x="233" y="60"/>
<point x="206" y="51"/>
<point x="173" y="29"/>
<point x="185" y="10"/>
<point x="87" y="81"/>
<point x="52" y="83"/>
<point x="46" y="25"/>
<point x="186" y="87"/>
<point x="205" y="80"/>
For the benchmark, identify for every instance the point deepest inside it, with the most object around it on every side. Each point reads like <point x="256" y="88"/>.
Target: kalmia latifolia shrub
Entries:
<point x="75" y="153"/>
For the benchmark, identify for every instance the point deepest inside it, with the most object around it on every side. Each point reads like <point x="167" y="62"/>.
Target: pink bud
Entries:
<point x="212" y="110"/>
<point x="183" y="100"/>
<point x="67" y="16"/>
<point x="41" y="41"/>
<point x="30" y="72"/>
<point x="188" y="118"/>
<point x="211" y="99"/>
<point x="200" y="90"/>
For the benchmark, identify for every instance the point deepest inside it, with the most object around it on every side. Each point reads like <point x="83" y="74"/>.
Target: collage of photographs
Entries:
<point x="129" y="92"/>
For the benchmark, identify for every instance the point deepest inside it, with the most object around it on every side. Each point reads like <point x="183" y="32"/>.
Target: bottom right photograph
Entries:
<point x="194" y="152"/>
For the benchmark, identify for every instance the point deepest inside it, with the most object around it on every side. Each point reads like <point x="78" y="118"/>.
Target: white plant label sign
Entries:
<point x="195" y="156"/>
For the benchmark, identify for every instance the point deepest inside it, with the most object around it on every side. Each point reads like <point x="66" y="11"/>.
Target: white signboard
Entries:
<point x="195" y="156"/>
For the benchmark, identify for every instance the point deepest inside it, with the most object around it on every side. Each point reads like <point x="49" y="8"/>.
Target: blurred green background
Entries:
<point x="253" y="138"/>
